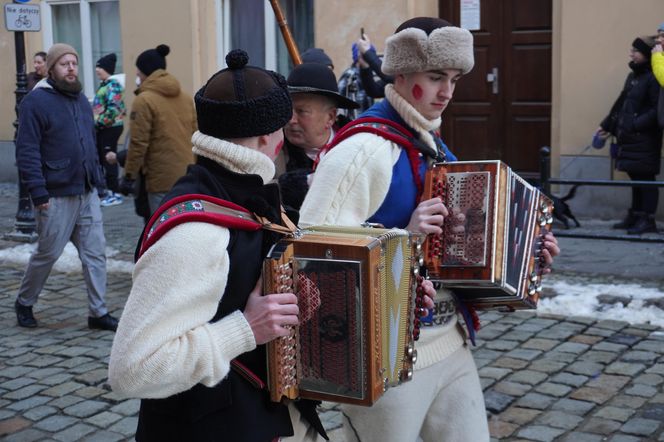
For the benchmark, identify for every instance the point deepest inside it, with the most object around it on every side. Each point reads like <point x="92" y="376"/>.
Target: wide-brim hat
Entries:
<point x="318" y="79"/>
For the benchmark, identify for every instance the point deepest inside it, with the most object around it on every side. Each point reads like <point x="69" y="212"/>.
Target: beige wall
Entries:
<point x="337" y="23"/>
<point x="591" y="47"/>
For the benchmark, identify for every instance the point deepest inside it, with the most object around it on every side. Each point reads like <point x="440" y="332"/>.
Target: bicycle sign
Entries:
<point x="26" y="18"/>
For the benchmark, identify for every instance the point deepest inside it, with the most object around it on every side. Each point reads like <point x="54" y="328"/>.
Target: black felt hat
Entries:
<point x="243" y="101"/>
<point x="317" y="55"/>
<point x="316" y="78"/>
<point x="107" y="63"/>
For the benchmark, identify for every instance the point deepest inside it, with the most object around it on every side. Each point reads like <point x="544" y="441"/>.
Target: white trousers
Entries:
<point x="443" y="403"/>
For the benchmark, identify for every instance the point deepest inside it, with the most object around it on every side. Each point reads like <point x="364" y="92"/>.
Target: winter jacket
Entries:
<point x="634" y="123"/>
<point x="56" y="152"/>
<point x="108" y="105"/>
<point x="163" y="120"/>
<point x="657" y="62"/>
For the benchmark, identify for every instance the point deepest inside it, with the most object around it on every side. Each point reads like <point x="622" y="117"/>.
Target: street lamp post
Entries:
<point x="24" y="225"/>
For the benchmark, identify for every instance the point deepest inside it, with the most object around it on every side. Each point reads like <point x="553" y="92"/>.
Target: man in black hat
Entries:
<point x="196" y="306"/>
<point x="313" y="88"/>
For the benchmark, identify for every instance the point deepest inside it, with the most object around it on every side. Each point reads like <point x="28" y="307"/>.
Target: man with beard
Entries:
<point x="57" y="160"/>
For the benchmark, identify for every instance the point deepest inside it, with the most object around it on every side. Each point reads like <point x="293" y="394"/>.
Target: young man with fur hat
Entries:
<point x="313" y="88"/>
<point x="196" y="302"/>
<point x="58" y="163"/>
<point x="109" y="109"/>
<point x="162" y="121"/>
<point x="368" y="177"/>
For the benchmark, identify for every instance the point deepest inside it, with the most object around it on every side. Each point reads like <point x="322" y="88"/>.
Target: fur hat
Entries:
<point x="152" y="59"/>
<point x="243" y="101"/>
<point x="56" y="51"/>
<point x="644" y="45"/>
<point x="426" y="44"/>
<point x="107" y="63"/>
<point x="318" y="79"/>
<point x="317" y="55"/>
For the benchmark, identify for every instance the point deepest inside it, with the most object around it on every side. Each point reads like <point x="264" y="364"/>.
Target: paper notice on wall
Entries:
<point x="470" y="14"/>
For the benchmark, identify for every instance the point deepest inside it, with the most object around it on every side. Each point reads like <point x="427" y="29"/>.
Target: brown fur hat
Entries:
<point x="424" y="44"/>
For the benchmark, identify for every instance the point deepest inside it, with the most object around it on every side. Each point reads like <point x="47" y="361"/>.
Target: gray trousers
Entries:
<point x="70" y="218"/>
<point x="154" y="199"/>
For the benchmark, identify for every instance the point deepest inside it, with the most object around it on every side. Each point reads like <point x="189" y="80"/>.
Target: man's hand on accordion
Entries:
<point x="268" y="314"/>
<point x="429" y="215"/>
<point x="429" y="293"/>
<point x="549" y="250"/>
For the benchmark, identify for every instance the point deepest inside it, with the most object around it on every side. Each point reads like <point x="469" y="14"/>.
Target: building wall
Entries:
<point x="337" y="24"/>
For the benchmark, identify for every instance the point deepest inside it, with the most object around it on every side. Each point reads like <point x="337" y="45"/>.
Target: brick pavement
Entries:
<point x="545" y="378"/>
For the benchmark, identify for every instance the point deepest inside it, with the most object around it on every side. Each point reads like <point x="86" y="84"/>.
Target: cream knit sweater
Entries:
<point x="164" y="343"/>
<point x="350" y="184"/>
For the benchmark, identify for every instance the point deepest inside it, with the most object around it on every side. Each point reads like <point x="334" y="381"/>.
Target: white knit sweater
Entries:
<point x="164" y="343"/>
<point x="350" y="184"/>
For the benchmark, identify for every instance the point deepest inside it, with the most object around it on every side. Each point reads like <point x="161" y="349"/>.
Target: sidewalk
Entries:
<point x="545" y="377"/>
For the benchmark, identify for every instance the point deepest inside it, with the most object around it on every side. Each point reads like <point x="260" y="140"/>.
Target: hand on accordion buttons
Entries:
<point x="428" y="217"/>
<point x="549" y="251"/>
<point x="269" y="315"/>
<point x="429" y="294"/>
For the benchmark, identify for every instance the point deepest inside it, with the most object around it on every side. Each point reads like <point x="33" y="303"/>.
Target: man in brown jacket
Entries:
<point x="162" y="122"/>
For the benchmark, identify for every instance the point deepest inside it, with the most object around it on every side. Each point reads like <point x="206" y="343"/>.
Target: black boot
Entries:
<point x="106" y="322"/>
<point x="628" y="222"/>
<point x="24" y="315"/>
<point x="644" y="224"/>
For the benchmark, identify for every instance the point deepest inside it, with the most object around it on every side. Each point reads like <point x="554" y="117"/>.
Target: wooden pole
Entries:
<point x="285" y="32"/>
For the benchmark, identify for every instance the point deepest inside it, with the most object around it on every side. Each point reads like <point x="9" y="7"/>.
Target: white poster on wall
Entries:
<point x="470" y="14"/>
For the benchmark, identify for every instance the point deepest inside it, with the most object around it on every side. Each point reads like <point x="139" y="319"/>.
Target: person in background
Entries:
<point x="657" y="56"/>
<point x="58" y="162"/>
<point x="162" y="121"/>
<point x="109" y="110"/>
<point x="196" y="307"/>
<point x="633" y="121"/>
<point x="313" y="89"/>
<point x="317" y="55"/>
<point x="39" y="64"/>
<point x="370" y="67"/>
<point x="350" y="86"/>
<point x="367" y="177"/>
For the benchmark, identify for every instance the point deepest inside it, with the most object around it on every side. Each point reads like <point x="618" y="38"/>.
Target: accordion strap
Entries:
<point x="205" y="208"/>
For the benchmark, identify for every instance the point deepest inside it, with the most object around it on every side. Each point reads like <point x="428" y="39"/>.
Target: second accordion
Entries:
<point x="355" y="294"/>
<point x="490" y="248"/>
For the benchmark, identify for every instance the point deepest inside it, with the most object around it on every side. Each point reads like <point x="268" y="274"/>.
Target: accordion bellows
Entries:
<point x="489" y="251"/>
<point x="355" y="337"/>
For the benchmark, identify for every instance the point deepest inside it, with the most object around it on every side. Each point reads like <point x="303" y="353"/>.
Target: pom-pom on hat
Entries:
<point x="152" y="59"/>
<point x="107" y="63"/>
<point x="243" y="101"/>
<point x="424" y="44"/>
<point x="56" y="51"/>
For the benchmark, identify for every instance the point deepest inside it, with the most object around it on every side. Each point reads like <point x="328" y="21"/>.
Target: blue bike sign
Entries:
<point x="24" y="18"/>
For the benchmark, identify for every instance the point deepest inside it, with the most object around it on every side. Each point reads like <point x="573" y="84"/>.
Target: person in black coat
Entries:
<point x="633" y="121"/>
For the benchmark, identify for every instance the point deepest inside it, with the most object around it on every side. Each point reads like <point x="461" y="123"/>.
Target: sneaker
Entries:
<point x="112" y="199"/>
<point x="24" y="315"/>
<point x="106" y="322"/>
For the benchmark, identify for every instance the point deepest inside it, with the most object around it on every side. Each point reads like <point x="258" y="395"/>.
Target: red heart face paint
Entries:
<point x="278" y="148"/>
<point x="417" y="92"/>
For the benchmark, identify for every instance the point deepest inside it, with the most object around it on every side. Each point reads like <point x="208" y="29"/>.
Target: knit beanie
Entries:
<point x="242" y="101"/>
<point x="317" y="55"/>
<point x="56" y="51"/>
<point x="107" y="63"/>
<point x="644" y="45"/>
<point x="424" y="44"/>
<point x="152" y="59"/>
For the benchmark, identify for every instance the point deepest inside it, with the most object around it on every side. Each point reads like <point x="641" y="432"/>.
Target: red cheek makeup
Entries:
<point x="417" y="92"/>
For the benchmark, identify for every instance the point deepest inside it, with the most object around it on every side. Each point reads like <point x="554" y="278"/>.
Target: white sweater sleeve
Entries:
<point x="164" y="343"/>
<point x="351" y="182"/>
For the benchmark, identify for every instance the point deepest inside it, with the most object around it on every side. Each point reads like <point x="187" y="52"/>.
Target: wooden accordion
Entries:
<point x="489" y="251"/>
<point x="355" y="336"/>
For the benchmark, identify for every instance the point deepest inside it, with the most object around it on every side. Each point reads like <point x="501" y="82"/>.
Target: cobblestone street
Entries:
<point x="546" y="377"/>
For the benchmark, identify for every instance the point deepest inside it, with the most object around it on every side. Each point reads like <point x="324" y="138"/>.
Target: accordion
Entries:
<point x="489" y="251"/>
<point x="355" y="336"/>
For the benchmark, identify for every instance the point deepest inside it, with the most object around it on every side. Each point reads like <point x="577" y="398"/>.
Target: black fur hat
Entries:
<point x="242" y="101"/>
